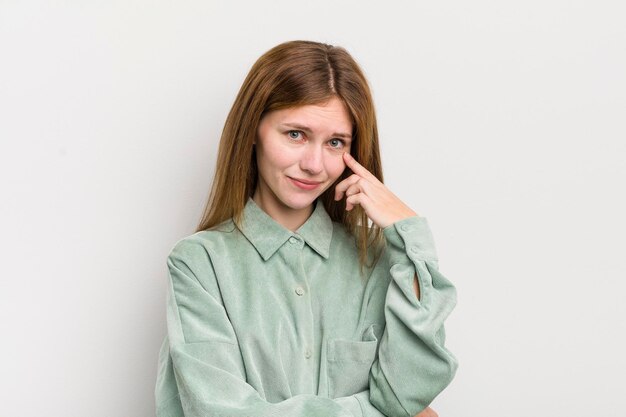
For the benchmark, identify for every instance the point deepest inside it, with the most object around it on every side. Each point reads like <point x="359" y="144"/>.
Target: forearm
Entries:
<point x="413" y="366"/>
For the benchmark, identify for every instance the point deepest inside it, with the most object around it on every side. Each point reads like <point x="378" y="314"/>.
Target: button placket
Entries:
<point x="300" y="289"/>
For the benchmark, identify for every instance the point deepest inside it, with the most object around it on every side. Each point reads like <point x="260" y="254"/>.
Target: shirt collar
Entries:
<point x="267" y="235"/>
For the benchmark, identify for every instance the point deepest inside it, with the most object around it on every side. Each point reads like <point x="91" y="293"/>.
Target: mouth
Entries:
<point x="304" y="184"/>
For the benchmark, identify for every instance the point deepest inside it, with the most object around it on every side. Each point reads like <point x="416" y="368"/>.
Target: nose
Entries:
<point x="312" y="160"/>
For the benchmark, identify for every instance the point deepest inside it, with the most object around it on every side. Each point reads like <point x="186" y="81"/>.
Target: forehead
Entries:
<point x="331" y="115"/>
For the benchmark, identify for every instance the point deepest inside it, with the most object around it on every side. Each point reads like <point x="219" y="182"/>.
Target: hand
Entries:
<point x="363" y="188"/>
<point x="427" y="412"/>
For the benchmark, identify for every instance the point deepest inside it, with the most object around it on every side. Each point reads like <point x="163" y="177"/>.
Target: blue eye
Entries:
<point x="339" y="142"/>
<point x="294" y="134"/>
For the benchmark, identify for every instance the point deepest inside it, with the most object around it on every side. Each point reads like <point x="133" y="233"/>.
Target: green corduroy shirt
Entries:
<point x="263" y="321"/>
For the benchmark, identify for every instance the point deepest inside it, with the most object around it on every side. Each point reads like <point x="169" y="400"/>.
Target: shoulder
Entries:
<point x="200" y="245"/>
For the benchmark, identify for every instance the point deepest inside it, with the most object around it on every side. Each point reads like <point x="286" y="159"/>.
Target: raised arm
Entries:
<point x="413" y="365"/>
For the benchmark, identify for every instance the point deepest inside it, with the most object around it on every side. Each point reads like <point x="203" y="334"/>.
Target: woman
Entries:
<point x="286" y="301"/>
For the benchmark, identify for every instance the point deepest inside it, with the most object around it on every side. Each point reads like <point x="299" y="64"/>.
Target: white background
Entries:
<point x="501" y="122"/>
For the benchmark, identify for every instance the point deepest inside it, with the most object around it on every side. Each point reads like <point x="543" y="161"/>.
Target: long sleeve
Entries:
<point x="201" y="351"/>
<point x="413" y="366"/>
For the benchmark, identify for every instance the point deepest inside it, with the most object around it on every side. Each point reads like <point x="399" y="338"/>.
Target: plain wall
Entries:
<point x="501" y="122"/>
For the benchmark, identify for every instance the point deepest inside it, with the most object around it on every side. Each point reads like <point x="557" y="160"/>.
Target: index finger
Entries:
<point x="357" y="168"/>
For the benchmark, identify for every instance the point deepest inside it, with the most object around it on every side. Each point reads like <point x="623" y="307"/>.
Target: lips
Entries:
<point x="305" y="181"/>
<point x="306" y="185"/>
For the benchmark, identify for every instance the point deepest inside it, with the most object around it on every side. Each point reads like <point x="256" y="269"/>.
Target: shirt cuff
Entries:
<point x="410" y="237"/>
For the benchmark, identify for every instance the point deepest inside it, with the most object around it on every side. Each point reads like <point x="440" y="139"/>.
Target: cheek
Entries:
<point x="335" y="167"/>
<point x="274" y="157"/>
<point x="284" y="158"/>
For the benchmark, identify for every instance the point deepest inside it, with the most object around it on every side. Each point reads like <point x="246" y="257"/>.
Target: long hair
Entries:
<point x="292" y="74"/>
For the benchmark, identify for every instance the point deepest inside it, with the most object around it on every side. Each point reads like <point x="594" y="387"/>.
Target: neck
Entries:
<point x="286" y="216"/>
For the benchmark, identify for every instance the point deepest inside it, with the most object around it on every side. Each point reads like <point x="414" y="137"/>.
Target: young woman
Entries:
<point x="309" y="288"/>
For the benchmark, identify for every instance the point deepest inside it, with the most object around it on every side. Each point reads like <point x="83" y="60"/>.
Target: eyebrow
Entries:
<point x="307" y="130"/>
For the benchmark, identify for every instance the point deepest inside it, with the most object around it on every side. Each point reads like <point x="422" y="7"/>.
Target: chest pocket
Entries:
<point x="349" y="363"/>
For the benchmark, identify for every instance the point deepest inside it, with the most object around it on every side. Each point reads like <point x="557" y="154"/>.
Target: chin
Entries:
<point x="299" y="202"/>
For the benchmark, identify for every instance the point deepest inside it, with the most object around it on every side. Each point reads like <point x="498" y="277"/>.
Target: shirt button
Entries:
<point x="414" y="249"/>
<point x="299" y="291"/>
<point x="307" y="353"/>
<point x="405" y="227"/>
<point x="293" y="240"/>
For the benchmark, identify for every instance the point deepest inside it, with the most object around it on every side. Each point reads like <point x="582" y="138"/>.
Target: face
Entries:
<point x="299" y="155"/>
